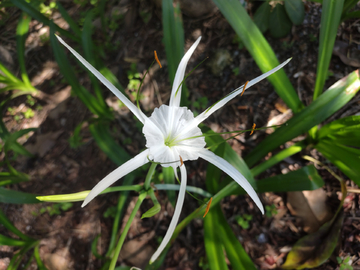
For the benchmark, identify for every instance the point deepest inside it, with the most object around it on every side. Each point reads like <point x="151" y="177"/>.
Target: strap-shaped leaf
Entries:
<point x="17" y="197"/>
<point x="213" y="245"/>
<point x="6" y="241"/>
<point x="173" y="40"/>
<point x="345" y="158"/>
<point x="235" y="252"/>
<point x="330" y="20"/>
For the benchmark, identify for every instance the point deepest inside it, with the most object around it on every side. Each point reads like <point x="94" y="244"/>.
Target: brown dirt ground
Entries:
<point x="57" y="168"/>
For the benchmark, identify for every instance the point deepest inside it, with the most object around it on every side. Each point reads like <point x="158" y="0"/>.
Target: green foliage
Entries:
<point x="56" y="209"/>
<point x="270" y="210"/>
<point x="75" y="141"/>
<point x="344" y="263"/>
<point x="134" y="77"/>
<point x="29" y="113"/>
<point x="243" y="220"/>
<point x="110" y="212"/>
<point x="279" y="19"/>
<point x="203" y="263"/>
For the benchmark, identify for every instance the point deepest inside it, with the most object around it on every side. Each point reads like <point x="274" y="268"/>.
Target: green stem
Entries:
<point x="296" y="148"/>
<point x="141" y="198"/>
<point x="149" y="176"/>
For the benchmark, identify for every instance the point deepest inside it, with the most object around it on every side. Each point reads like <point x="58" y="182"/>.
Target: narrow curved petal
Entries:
<point x="225" y="166"/>
<point x="175" y="218"/>
<point x="115" y="175"/>
<point x="135" y="110"/>
<point x="179" y="76"/>
<point x="201" y="117"/>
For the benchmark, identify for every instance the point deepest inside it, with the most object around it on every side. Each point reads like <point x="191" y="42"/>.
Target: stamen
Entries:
<point x="157" y="59"/>
<point x="244" y="88"/>
<point x="207" y="207"/>
<point x="182" y="162"/>
<point x="253" y="127"/>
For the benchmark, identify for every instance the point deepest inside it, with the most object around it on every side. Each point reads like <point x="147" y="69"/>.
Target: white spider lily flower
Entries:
<point x="172" y="137"/>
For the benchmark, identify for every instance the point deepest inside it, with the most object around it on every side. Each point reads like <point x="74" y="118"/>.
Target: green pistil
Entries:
<point x="170" y="142"/>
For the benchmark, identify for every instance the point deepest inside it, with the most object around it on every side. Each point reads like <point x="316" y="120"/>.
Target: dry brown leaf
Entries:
<point x="44" y="143"/>
<point x="311" y="207"/>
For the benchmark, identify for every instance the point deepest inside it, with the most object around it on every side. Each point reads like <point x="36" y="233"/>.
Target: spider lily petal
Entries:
<point x="205" y="114"/>
<point x="233" y="173"/>
<point x="179" y="76"/>
<point x="175" y="218"/>
<point x="135" y="110"/>
<point x="115" y="175"/>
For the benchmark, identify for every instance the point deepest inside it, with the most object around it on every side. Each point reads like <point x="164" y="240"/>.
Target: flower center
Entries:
<point x="165" y="136"/>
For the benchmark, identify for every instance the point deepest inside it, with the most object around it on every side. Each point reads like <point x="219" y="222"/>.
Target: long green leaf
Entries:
<point x="328" y="103"/>
<point x="73" y="25"/>
<point x="213" y="246"/>
<point x="174" y="41"/>
<point x="305" y="178"/>
<point x="38" y="259"/>
<point x="235" y="252"/>
<point x="17" y="197"/>
<point x="21" y="33"/>
<point x="345" y="158"/>
<point x="259" y="49"/>
<point x="6" y="241"/>
<point x="169" y="178"/>
<point x="27" y="8"/>
<point x="330" y="20"/>
<point x="88" y="47"/>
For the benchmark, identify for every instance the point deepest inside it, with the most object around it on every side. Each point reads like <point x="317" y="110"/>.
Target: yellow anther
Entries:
<point x="157" y="59"/>
<point x="253" y="127"/>
<point x="244" y="88"/>
<point x="207" y="207"/>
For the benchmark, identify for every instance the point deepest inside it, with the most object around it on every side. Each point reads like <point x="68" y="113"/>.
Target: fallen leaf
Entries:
<point x="314" y="249"/>
<point x="311" y="207"/>
<point x="44" y="143"/>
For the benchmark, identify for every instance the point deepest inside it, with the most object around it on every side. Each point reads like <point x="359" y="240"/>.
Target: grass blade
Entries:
<point x="17" y="197"/>
<point x="235" y="252"/>
<point x="73" y="25"/>
<point x="174" y="41"/>
<point x="213" y="246"/>
<point x="6" y="241"/>
<point x="21" y="33"/>
<point x="330" y="20"/>
<point x="345" y="158"/>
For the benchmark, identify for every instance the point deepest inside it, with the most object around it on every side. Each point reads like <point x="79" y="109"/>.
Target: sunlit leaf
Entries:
<point x="330" y="20"/>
